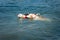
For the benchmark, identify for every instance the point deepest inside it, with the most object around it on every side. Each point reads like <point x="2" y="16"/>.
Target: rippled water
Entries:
<point x="11" y="27"/>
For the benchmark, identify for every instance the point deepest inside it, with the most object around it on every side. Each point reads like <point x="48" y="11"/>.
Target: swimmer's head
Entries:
<point x="20" y="15"/>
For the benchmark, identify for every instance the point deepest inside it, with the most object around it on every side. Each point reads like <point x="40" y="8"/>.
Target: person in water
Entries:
<point x="32" y="16"/>
<point x="27" y="16"/>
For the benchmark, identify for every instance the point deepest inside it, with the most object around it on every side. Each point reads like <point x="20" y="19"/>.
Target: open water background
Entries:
<point x="12" y="29"/>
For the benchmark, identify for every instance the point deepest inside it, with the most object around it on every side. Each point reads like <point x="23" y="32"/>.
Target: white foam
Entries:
<point x="42" y="19"/>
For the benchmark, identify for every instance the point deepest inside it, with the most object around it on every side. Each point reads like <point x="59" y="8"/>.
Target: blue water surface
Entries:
<point x="11" y="28"/>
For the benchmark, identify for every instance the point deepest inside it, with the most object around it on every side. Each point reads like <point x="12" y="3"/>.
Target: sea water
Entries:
<point x="11" y="28"/>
